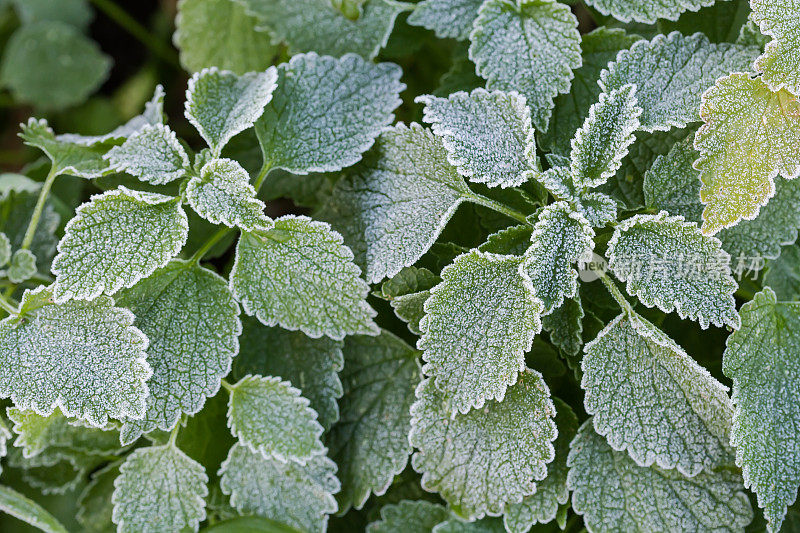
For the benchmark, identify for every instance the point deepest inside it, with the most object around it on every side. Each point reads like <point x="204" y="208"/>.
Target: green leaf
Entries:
<point x="67" y="157"/>
<point x="531" y="47"/>
<point x="410" y="308"/>
<point x="51" y="65"/>
<point x="22" y="267"/>
<point x="599" y="209"/>
<point x="311" y="365"/>
<point x="673" y="185"/>
<point x="249" y="524"/>
<point x="223" y="195"/>
<point x="647" y="11"/>
<point x="479" y="322"/>
<point x="271" y="418"/>
<point x="779" y="64"/>
<point x="306" y="25"/>
<point x="299" y="275"/>
<point x="409" y="517"/>
<point x="560" y="238"/>
<point x="447" y="18"/>
<point x="192" y="322"/>
<point x="326" y="112"/>
<point x="17" y="505"/>
<point x="653" y="400"/>
<point x="513" y="240"/>
<point x="116" y="239"/>
<point x="95" y="507"/>
<point x="5" y="249"/>
<point x="370" y="441"/>
<point x="37" y="433"/>
<point x="761" y="360"/>
<point x="783" y="274"/>
<point x="634" y="498"/>
<point x="392" y="207"/>
<point x="76" y="13"/>
<point x="85" y="357"/>
<point x="159" y="488"/>
<point x="485" y="525"/>
<point x="218" y="33"/>
<point x="485" y="134"/>
<point x="542" y="506"/>
<point x="298" y="495"/>
<point x="671" y="72"/>
<point x="221" y="104"/>
<point x="483" y="460"/>
<point x="600" y="144"/>
<point x="152" y="154"/>
<point x="750" y="136"/>
<point x="668" y="263"/>
<point x="565" y="326"/>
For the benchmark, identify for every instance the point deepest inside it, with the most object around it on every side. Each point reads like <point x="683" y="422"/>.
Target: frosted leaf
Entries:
<point x="513" y="240"/>
<point x="779" y="64"/>
<point x="219" y="33"/>
<point x="5" y="436"/>
<point x="668" y="263"/>
<point x="447" y="18"/>
<point x="86" y="358"/>
<point x="483" y="460"/>
<point x="392" y="207"/>
<point x="192" y="322"/>
<point x="299" y="495"/>
<point x="22" y="267"/>
<point x="653" y="400"/>
<point x="311" y="365"/>
<point x="67" y="157"/>
<point x="76" y="13"/>
<point x="600" y="144"/>
<point x="783" y="274"/>
<point x="485" y="134"/>
<point x="370" y="441"/>
<point x="299" y="275"/>
<point x="542" y="506"/>
<point x="5" y="249"/>
<point x="408" y="280"/>
<point x="116" y="239"/>
<point x="37" y="433"/>
<point x="410" y="308"/>
<point x="671" y="72"/>
<point x="221" y="104"/>
<point x="599" y="209"/>
<point x="565" y="325"/>
<point x="750" y="136"/>
<point x="647" y="11"/>
<point x="479" y="322"/>
<point x="152" y="154"/>
<point x="307" y="25"/>
<point x="673" y="185"/>
<point x="271" y="418"/>
<point x="485" y="525"/>
<point x="634" y="498"/>
<point x="409" y="517"/>
<point x="223" y="195"/>
<point x="159" y="488"/>
<point x="560" y="238"/>
<point x="531" y="47"/>
<point x="326" y="112"/>
<point x="557" y="180"/>
<point x="761" y="359"/>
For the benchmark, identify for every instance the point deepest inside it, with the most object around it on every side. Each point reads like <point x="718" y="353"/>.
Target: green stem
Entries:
<point x="173" y="436"/>
<point x="616" y="294"/>
<point x="262" y="175"/>
<point x="227" y="386"/>
<point x="129" y="24"/>
<point x="6" y="305"/>
<point x="37" y="210"/>
<point x="214" y="239"/>
<point x="499" y="207"/>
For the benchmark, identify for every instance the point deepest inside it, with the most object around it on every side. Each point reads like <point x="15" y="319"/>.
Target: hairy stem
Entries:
<point x="7" y="307"/>
<point x="214" y="239"/>
<point x="37" y="211"/>
<point x="499" y="207"/>
<point x="262" y="175"/>
<point x="616" y="294"/>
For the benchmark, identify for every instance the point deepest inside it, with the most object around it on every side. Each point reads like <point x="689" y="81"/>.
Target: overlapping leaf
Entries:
<point x="37" y="433"/>
<point x="152" y="154"/>
<point x="409" y="516"/>
<point x="447" y="18"/>
<point x="779" y="64"/>
<point x="647" y="11"/>
<point x="66" y="156"/>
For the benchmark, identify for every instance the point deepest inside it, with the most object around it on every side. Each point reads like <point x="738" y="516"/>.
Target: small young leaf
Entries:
<point x="326" y="112"/>
<point x="483" y="460"/>
<point x="221" y="104"/>
<point x="779" y="64"/>
<point x="668" y="263"/>
<point x="271" y="418"/>
<point x="393" y="206"/>
<point x="485" y="134"/>
<point x="67" y="157"/>
<point x="152" y="154"/>
<point x="671" y="72"/>
<point x="600" y="144"/>
<point x="19" y="506"/>
<point x="479" y="322"/>
<point x="410" y="308"/>
<point x="447" y="18"/>
<point x="299" y="275"/>
<point x="223" y="194"/>
<point x="116" y="239"/>
<point x="37" y="433"/>
<point x="531" y="47"/>
<point x="297" y="495"/>
<point x="560" y="238"/>
<point x="159" y="488"/>
<point x="565" y="326"/>
<point x="647" y="11"/>
<point x="409" y="517"/>
<point x="22" y="267"/>
<point x="750" y="136"/>
<point x="761" y="360"/>
<point x="653" y="400"/>
<point x="599" y="209"/>
<point x="370" y="441"/>
<point x="615" y="494"/>
<point x="85" y="357"/>
<point x="192" y="322"/>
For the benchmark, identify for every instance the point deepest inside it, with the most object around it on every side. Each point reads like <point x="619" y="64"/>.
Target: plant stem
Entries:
<point x="616" y="294"/>
<point x="10" y="309"/>
<point x="37" y="211"/>
<point x="214" y="239"/>
<point x="499" y="207"/>
<point x="129" y="24"/>
<point x="227" y="386"/>
<point x="262" y="175"/>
